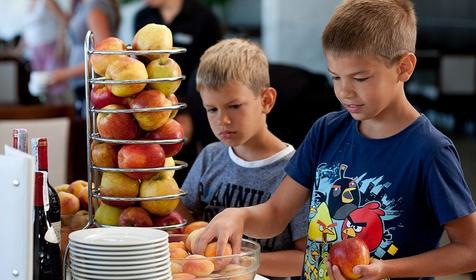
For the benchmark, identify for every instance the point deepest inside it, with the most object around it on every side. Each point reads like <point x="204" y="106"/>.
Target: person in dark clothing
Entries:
<point x="194" y="27"/>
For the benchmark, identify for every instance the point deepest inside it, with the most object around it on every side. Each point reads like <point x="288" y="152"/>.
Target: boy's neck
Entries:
<point x="390" y="122"/>
<point x="260" y="147"/>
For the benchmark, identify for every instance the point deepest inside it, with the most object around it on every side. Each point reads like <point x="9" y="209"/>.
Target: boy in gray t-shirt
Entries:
<point x="247" y="165"/>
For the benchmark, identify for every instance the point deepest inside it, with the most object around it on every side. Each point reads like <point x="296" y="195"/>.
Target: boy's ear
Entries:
<point x="406" y="66"/>
<point x="268" y="98"/>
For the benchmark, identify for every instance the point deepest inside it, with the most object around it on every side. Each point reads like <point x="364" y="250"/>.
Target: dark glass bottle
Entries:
<point x="46" y="248"/>
<point x="39" y="148"/>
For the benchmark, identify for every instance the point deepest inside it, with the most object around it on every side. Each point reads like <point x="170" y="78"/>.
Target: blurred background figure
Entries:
<point x="43" y="44"/>
<point x="102" y="17"/>
<point x="194" y="27"/>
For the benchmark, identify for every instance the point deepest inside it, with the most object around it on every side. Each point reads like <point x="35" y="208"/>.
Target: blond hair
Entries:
<point x="385" y="28"/>
<point x="235" y="60"/>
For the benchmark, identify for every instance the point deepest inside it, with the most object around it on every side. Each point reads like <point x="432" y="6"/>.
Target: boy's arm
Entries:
<point x="283" y="263"/>
<point x="260" y="221"/>
<point x="459" y="256"/>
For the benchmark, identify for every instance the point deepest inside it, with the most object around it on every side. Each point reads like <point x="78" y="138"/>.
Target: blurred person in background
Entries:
<point x="43" y="41"/>
<point x="194" y="27"/>
<point x="102" y="17"/>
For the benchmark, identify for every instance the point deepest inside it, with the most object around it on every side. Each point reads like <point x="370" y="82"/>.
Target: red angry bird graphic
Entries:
<point x="366" y="224"/>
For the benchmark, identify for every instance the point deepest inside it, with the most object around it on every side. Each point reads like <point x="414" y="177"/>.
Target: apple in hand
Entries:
<point x="100" y="62"/>
<point x="153" y="37"/>
<point x="126" y="68"/>
<point x="116" y="125"/>
<point x="348" y="253"/>
<point x="168" y="69"/>
<point x="141" y="156"/>
<point x="135" y="217"/>
<point x="174" y="218"/>
<point x="101" y="96"/>
<point x="170" y="130"/>
<point x="116" y="184"/>
<point x="158" y="186"/>
<point x="104" y="154"/>
<point x="150" y="99"/>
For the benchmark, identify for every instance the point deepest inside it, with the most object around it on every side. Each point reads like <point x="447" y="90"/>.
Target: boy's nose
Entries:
<point x="345" y="90"/>
<point x="224" y="119"/>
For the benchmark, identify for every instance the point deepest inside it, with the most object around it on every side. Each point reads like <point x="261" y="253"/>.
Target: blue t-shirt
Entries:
<point x="394" y="193"/>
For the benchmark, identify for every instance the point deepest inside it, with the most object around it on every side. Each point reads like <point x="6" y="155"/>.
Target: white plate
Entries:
<point x="118" y="236"/>
<point x="119" y="267"/>
<point x="121" y="272"/>
<point x="165" y="277"/>
<point x="119" y="253"/>
<point x="125" y="277"/>
<point x="114" y="263"/>
<point x="118" y="248"/>
<point x="162" y="255"/>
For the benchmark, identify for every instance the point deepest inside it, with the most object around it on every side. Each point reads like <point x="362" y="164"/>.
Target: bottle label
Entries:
<point x="57" y="227"/>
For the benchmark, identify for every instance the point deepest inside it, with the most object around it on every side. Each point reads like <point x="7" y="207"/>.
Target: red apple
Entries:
<point x="174" y="218"/>
<point x="150" y="99"/>
<point x="104" y="154"/>
<point x="101" y="96"/>
<point x="116" y="125"/>
<point x="348" y="253"/>
<point x="135" y="217"/>
<point x="170" y="130"/>
<point x="100" y="62"/>
<point x="141" y="156"/>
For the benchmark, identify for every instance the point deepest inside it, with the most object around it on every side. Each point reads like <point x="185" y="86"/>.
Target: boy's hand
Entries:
<point x="374" y="270"/>
<point x="226" y="227"/>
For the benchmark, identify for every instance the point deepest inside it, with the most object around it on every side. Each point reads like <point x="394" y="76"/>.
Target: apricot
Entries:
<point x="210" y="251"/>
<point x="183" y="276"/>
<point x="247" y="261"/>
<point x="69" y="203"/>
<point x="192" y="237"/>
<point x="175" y="267"/>
<point x="194" y="226"/>
<point x="198" y="265"/>
<point x="77" y="186"/>
<point x="233" y="268"/>
<point x="178" y="244"/>
<point x="178" y="253"/>
<point x="61" y="188"/>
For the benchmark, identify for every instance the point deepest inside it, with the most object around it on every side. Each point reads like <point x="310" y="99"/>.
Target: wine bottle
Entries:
<point x="20" y="139"/>
<point x="39" y="148"/>
<point x="46" y="248"/>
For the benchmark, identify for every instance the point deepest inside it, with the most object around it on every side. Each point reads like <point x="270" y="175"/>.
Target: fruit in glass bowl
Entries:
<point x="241" y="266"/>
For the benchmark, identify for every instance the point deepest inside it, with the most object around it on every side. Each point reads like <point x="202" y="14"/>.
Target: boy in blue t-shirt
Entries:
<point x="378" y="170"/>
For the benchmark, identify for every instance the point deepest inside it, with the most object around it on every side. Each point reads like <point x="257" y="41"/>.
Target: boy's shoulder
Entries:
<point x="214" y="149"/>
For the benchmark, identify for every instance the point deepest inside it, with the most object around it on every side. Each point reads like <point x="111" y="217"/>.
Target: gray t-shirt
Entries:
<point x="219" y="179"/>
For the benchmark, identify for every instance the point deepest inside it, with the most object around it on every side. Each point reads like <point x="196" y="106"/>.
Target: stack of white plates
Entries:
<point x="119" y="253"/>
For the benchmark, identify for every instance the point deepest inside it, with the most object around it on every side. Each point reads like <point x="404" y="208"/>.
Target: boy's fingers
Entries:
<point x="236" y="243"/>
<point x="202" y="241"/>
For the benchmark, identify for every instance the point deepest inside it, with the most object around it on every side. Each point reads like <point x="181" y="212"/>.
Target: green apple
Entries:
<point x="107" y="215"/>
<point x="159" y="186"/>
<point x="168" y="69"/>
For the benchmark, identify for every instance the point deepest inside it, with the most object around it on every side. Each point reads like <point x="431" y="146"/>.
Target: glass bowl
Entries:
<point x="184" y="265"/>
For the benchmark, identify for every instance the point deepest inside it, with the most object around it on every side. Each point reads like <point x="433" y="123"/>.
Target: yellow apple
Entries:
<point x="100" y="62"/>
<point x="126" y="68"/>
<point x="169" y="162"/>
<point x="168" y="69"/>
<point x="107" y="215"/>
<point x="116" y="184"/>
<point x="158" y="186"/>
<point x="153" y="37"/>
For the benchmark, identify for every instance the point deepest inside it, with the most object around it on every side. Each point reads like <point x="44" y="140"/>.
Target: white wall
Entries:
<point x="291" y="31"/>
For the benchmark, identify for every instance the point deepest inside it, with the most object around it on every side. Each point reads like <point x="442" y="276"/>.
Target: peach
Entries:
<point x="210" y="251"/>
<point x="232" y="268"/>
<point x="77" y="186"/>
<point x="179" y="244"/>
<point x="198" y="265"/>
<point x="178" y="253"/>
<point x="183" y="276"/>
<point x="192" y="237"/>
<point x="175" y="267"/>
<point x="84" y="198"/>
<point x="61" y="188"/>
<point x="69" y="203"/>
<point x="193" y="226"/>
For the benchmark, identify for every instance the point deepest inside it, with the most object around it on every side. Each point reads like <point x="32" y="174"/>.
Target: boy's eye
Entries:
<point x="211" y="110"/>
<point x="335" y="78"/>
<point x="235" y="106"/>
<point x="360" y="79"/>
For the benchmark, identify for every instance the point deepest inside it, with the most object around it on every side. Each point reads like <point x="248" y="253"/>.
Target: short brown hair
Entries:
<point x="236" y="60"/>
<point x="385" y="28"/>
